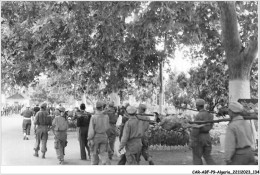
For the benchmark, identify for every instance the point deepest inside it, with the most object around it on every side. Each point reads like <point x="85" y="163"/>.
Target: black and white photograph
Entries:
<point x="120" y="83"/>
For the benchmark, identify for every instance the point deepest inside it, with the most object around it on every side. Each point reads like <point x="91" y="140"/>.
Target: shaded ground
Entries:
<point x="182" y="157"/>
<point x="16" y="151"/>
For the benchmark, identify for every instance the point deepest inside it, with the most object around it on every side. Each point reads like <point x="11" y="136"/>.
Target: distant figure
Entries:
<point x="145" y="139"/>
<point x="200" y="138"/>
<point x="60" y="127"/>
<point x="166" y="111"/>
<point x="42" y="123"/>
<point x="35" y="110"/>
<point x="74" y="117"/>
<point x="111" y="133"/>
<point x="97" y="136"/>
<point x="125" y="118"/>
<point x="83" y="120"/>
<point x="238" y="138"/>
<point x="27" y="117"/>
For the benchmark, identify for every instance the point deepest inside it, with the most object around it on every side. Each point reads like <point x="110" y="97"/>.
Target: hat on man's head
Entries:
<point x="43" y="105"/>
<point x="200" y="102"/>
<point x="99" y="104"/>
<point x="28" y="106"/>
<point x="142" y="106"/>
<point x="82" y="106"/>
<point x="61" y="109"/>
<point x="131" y="110"/>
<point x="235" y="107"/>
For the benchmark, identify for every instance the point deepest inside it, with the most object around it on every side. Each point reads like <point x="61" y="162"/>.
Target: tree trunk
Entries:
<point x="239" y="59"/>
<point x="161" y="100"/>
<point x="239" y="89"/>
<point x="161" y="97"/>
<point x="83" y="98"/>
<point x="115" y="98"/>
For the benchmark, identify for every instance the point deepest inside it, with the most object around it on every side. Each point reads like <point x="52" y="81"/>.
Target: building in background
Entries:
<point x="17" y="99"/>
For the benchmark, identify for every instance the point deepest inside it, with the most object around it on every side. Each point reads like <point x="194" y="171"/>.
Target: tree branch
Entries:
<point x="215" y="103"/>
<point x="251" y="51"/>
<point x="229" y="24"/>
<point x="90" y="99"/>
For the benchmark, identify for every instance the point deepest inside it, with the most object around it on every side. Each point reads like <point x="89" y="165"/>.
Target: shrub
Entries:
<point x="160" y="136"/>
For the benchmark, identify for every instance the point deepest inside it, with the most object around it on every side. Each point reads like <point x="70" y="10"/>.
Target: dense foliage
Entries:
<point x="159" y="136"/>
<point x="101" y="47"/>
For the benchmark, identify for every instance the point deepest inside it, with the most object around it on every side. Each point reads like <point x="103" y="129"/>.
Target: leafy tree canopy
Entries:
<point x="92" y="43"/>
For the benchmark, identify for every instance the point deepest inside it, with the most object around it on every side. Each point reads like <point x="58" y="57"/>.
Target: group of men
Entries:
<point x="238" y="140"/>
<point x="43" y="123"/>
<point x="97" y="133"/>
<point x="11" y="109"/>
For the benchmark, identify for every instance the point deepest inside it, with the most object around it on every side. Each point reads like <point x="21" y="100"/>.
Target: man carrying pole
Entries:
<point x="145" y="139"/>
<point x="238" y="139"/>
<point x="200" y="138"/>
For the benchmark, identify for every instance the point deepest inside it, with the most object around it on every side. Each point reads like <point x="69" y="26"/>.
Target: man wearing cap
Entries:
<point x="238" y="138"/>
<point x="42" y="123"/>
<point x="97" y="137"/>
<point x="76" y="110"/>
<point x="124" y="119"/>
<point x="35" y="110"/>
<point x="83" y="120"/>
<point x="27" y="117"/>
<point x="200" y="139"/>
<point x="60" y="126"/>
<point x="132" y="137"/>
<point x="111" y="133"/>
<point x="145" y="139"/>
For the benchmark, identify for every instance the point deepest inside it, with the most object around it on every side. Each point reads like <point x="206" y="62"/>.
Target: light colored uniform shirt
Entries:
<point x="27" y="114"/>
<point x="60" y="124"/>
<point x="238" y="135"/>
<point x="133" y="130"/>
<point x="98" y="126"/>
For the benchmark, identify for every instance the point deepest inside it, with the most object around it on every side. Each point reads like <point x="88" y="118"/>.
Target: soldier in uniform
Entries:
<point x="76" y="110"/>
<point x="145" y="139"/>
<point x="97" y="136"/>
<point x="111" y="133"/>
<point x="36" y="109"/>
<point x="27" y="117"/>
<point x="238" y="138"/>
<point x="60" y="127"/>
<point x="132" y="137"/>
<point x="125" y="118"/>
<point x="42" y="123"/>
<point x="200" y="138"/>
<point x="83" y="120"/>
